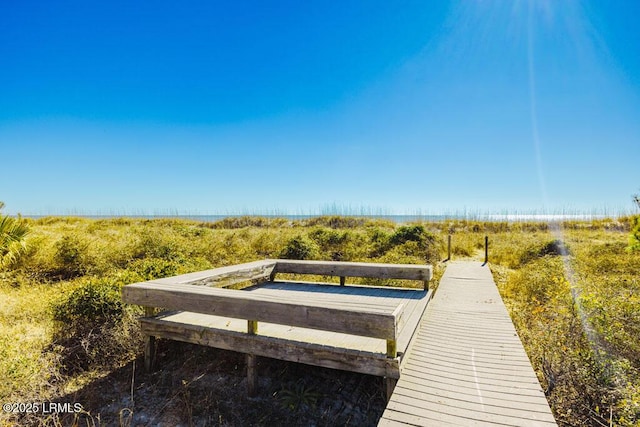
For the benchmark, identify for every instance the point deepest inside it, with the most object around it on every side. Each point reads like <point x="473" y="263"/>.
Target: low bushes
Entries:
<point x="93" y="328"/>
<point x="300" y="247"/>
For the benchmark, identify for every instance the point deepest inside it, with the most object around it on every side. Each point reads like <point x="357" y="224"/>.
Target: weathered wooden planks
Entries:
<point x="340" y="327"/>
<point x="355" y="269"/>
<point x="245" y="305"/>
<point x="225" y="276"/>
<point x="275" y="347"/>
<point x="265" y="270"/>
<point x="466" y="364"/>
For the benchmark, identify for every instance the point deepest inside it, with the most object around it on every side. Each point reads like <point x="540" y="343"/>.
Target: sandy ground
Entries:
<point x="199" y="386"/>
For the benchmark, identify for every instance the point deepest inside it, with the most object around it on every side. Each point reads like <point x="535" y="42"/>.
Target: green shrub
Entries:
<point x="553" y="247"/>
<point x="426" y="243"/>
<point x="246" y="221"/>
<point x="536" y="282"/>
<point x="335" y="245"/>
<point x="93" y="327"/>
<point x="378" y="241"/>
<point x="153" y="244"/>
<point x="91" y="303"/>
<point x="409" y="233"/>
<point x="299" y="247"/>
<point x="334" y="221"/>
<point x="154" y="268"/>
<point x="70" y="256"/>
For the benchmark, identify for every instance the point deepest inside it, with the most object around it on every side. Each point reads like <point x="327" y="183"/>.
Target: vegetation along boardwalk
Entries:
<point x="466" y="365"/>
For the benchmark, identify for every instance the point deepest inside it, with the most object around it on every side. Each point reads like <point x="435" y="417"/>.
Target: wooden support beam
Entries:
<point x="278" y="348"/>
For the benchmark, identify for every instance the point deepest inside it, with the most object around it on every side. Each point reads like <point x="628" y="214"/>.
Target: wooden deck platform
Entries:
<point x="356" y="328"/>
<point x="313" y="346"/>
<point x="466" y="365"/>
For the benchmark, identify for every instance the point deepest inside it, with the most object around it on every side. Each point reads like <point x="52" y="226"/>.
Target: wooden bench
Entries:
<point x="355" y="328"/>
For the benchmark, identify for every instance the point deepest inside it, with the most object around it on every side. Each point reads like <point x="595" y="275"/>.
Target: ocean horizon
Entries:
<point x="398" y="218"/>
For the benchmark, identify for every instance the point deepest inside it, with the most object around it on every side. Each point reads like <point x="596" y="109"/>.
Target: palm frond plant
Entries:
<point x="13" y="233"/>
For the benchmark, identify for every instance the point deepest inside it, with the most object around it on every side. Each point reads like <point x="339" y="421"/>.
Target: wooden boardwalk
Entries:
<point x="466" y="365"/>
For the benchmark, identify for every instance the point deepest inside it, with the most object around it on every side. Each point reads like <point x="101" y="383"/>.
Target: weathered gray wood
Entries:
<point x="466" y="365"/>
<point x="294" y="351"/>
<point x="356" y="269"/>
<point x="149" y="344"/>
<point x="259" y="271"/>
<point x="245" y="305"/>
<point x="383" y="299"/>
<point x="362" y="317"/>
<point x="412" y="314"/>
<point x="149" y="353"/>
<point x="389" y="386"/>
<point x="252" y="375"/>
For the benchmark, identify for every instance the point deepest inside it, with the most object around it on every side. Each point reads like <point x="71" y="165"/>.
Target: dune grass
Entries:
<point x="572" y="290"/>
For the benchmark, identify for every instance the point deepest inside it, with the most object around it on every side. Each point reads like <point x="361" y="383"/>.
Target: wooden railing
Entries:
<point x="262" y="271"/>
<point x="246" y="305"/>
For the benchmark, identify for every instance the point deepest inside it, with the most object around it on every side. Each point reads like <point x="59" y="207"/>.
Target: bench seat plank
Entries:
<point x="312" y="347"/>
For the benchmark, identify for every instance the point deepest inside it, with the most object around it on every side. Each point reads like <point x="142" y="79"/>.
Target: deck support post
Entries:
<point x="342" y="280"/>
<point x="149" y="344"/>
<point x="252" y="371"/>
<point x="392" y="349"/>
<point x="389" y="386"/>
<point x="149" y="353"/>
<point x="252" y="375"/>
<point x="390" y="383"/>
<point x="252" y="327"/>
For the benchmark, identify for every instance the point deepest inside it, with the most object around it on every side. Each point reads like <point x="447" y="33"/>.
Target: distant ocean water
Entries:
<point x="506" y="217"/>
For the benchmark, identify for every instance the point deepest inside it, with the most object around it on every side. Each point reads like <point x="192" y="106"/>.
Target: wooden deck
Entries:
<point x="355" y="328"/>
<point x="313" y="346"/>
<point x="466" y="365"/>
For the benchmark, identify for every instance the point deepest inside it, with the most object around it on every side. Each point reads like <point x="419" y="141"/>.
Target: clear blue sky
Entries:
<point x="294" y="107"/>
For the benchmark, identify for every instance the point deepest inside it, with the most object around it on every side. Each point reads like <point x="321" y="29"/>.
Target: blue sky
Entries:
<point x="296" y="107"/>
